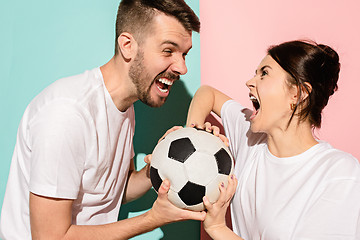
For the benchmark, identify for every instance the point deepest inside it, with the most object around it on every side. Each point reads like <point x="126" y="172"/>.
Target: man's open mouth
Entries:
<point x="164" y="84"/>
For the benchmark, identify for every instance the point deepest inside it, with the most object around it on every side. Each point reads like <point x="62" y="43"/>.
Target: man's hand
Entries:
<point x="169" y="131"/>
<point x="164" y="212"/>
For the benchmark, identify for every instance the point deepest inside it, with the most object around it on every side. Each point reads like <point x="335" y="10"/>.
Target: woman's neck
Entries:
<point x="296" y="139"/>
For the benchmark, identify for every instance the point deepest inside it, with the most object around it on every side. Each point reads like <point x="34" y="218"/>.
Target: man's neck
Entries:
<point x="118" y="84"/>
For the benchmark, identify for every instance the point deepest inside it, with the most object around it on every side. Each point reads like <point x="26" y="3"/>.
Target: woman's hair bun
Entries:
<point x="330" y="66"/>
<point x="331" y="54"/>
<point x="308" y="62"/>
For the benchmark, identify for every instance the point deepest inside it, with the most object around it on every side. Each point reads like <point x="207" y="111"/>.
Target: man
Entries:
<point x="72" y="165"/>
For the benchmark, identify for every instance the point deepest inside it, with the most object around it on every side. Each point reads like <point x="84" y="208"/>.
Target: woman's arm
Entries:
<point x="205" y="100"/>
<point x="215" y="224"/>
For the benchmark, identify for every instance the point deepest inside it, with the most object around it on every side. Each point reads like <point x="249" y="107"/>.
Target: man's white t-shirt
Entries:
<point x="314" y="195"/>
<point x="72" y="143"/>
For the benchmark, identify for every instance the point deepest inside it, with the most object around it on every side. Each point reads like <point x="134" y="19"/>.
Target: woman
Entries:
<point x="290" y="185"/>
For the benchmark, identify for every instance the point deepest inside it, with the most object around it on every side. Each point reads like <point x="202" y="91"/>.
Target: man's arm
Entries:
<point x="51" y="219"/>
<point x="138" y="182"/>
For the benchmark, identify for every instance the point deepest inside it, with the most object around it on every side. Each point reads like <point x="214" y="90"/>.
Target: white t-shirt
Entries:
<point x="314" y="195"/>
<point x="72" y="143"/>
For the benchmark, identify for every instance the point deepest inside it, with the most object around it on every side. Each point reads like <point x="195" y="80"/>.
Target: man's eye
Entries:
<point x="168" y="51"/>
<point x="264" y="73"/>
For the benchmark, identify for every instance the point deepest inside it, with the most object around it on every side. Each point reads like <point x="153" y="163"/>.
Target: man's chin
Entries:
<point x="154" y="104"/>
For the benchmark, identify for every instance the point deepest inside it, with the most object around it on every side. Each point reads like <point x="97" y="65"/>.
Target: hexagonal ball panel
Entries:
<point x="212" y="189"/>
<point x="175" y="172"/>
<point x="181" y="149"/>
<point x="206" y="142"/>
<point x="197" y="207"/>
<point x="175" y="199"/>
<point x="201" y="168"/>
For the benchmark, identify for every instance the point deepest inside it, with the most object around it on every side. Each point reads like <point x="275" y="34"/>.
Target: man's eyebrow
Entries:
<point x="175" y="45"/>
<point x="170" y="42"/>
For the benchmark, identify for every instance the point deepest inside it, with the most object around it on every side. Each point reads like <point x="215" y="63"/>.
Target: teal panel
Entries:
<point x="42" y="41"/>
<point x="151" y="124"/>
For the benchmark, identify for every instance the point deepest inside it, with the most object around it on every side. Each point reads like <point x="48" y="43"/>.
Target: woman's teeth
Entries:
<point x="255" y="102"/>
<point x="252" y="98"/>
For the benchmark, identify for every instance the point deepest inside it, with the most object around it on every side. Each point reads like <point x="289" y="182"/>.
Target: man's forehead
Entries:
<point x="169" y="25"/>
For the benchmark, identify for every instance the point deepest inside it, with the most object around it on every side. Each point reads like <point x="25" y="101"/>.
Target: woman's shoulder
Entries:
<point x="340" y="164"/>
<point x="232" y="109"/>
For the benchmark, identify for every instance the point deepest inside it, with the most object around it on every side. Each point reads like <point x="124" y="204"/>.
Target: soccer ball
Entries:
<point x="195" y="162"/>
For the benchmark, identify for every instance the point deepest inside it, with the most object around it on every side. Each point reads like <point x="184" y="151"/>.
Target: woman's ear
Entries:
<point x="305" y="91"/>
<point x="302" y="93"/>
<point x="127" y="45"/>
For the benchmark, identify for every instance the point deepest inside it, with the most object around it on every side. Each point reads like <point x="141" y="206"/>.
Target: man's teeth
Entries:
<point x="166" y="81"/>
<point x="252" y="98"/>
<point x="163" y="90"/>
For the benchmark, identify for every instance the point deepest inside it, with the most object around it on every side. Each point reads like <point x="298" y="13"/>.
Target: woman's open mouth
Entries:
<point x="256" y="105"/>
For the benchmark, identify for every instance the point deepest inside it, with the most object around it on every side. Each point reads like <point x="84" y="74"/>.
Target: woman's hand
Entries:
<point x="215" y="218"/>
<point x="212" y="129"/>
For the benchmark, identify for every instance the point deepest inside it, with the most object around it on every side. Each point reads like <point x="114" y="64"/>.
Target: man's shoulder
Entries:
<point x="80" y="91"/>
<point x="75" y="88"/>
<point x="77" y="84"/>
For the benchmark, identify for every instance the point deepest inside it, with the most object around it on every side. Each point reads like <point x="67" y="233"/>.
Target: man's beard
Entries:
<point x="140" y="77"/>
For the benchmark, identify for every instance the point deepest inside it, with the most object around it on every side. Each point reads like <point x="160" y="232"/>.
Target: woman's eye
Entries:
<point x="168" y="51"/>
<point x="264" y="73"/>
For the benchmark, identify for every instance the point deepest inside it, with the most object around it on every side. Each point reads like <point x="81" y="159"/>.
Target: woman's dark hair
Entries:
<point x="312" y="63"/>
<point x="135" y="16"/>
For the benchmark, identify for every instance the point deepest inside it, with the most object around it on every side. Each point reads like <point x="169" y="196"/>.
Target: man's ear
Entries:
<point x="127" y="45"/>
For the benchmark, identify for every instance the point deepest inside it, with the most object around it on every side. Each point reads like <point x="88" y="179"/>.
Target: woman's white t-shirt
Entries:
<point x="314" y="195"/>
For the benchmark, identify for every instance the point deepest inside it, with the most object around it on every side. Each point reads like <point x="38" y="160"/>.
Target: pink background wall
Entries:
<point x="235" y="35"/>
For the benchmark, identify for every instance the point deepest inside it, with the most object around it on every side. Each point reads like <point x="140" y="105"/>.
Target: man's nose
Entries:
<point x="179" y="66"/>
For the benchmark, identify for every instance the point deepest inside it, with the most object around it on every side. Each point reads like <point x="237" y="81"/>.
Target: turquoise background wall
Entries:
<point x="42" y="41"/>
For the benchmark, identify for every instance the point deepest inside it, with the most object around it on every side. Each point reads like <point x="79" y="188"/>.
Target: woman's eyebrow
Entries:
<point x="262" y="68"/>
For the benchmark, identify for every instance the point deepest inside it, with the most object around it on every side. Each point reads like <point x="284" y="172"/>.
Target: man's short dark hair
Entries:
<point x="135" y="16"/>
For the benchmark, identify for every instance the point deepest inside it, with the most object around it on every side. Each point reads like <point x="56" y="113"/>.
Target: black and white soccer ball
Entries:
<point x="195" y="162"/>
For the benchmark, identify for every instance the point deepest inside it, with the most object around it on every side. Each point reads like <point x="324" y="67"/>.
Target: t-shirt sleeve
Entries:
<point x="236" y="122"/>
<point x="57" y="142"/>
<point x="234" y="118"/>
<point x="336" y="213"/>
